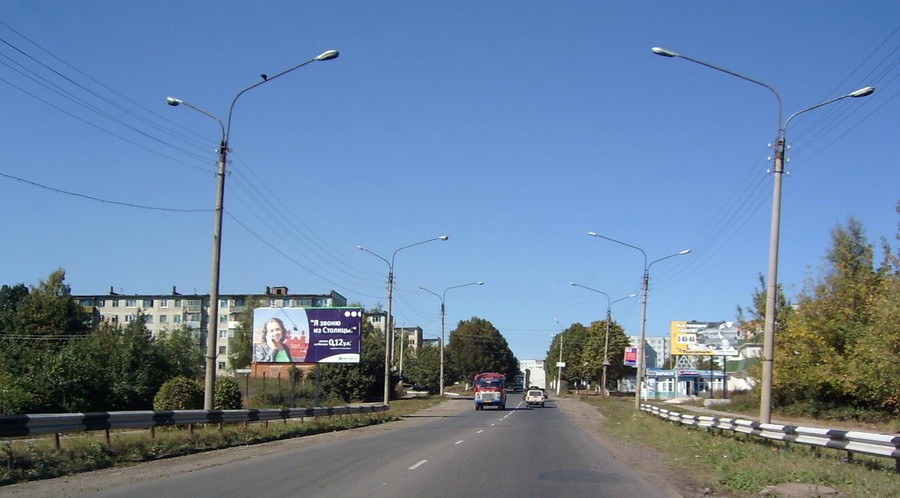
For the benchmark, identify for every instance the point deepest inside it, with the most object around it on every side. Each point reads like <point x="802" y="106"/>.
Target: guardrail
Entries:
<point x="62" y="423"/>
<point x="866" y="443"/>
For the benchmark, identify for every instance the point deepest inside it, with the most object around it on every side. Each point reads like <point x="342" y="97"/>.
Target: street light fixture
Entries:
<point x="389" y="331"/>
<point x="645" y="285"/>
<point x="443" y="298"/>
<point x="559" y="365"/>
<point x="213" y="317"/>
<point x="765" y="402"/>
<point x="608" y="319"/>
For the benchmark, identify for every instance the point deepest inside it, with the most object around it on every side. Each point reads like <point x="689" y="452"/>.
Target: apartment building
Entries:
<point x="657" y="351"/>
<point x="175" y="310"/>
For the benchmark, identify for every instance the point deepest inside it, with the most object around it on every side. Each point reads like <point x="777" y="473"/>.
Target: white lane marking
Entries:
<point x="421" y="462"/>
<point x="479" y="431"/>
<point x="458" y="442"/>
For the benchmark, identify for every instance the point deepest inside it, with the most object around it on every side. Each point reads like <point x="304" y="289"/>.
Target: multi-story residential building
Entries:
<point x="175" y="310"/>
<point x="378" y="319"/>
<point x="412" y="335"/>
<point x="657" y="350"/>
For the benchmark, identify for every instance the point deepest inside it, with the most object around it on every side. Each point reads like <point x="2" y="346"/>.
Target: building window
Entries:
<point x="148" y="319"/>
<point x="223" y="349"/>
<point x="131" y="303"/>
<point x="238" y="301"/>
<point x="223" y="318"/>
<point x="223" y="303"/>
<point x="178" y="303"/>
<point x="130" y="318"/>
<point x="163" y="318"/>
<point x="163" y="303"/>
<point x="112" y="318"/>
<point x="193" y="302"/>
<point x="176" y="318"/>
<point x="101" y="303"/>
<point x="114" y="303"/>
<point x="221" y="365"/>
<point x="148" y="303"/>
<point x="223" y="334"/>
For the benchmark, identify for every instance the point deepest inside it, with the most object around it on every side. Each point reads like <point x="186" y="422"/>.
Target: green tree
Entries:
<point x="357" y="382"/>
<point x="753" y="318"/>
<point x="49" y="310"/>
<point x="829" y="343"/>
<point x="476" y="346"/>
<point x="10" y="299"/>
<point x="592" y="353"/>
<point x="573" y="341"/>
<point x="181" y="351"/>
<point x="240" y="344"/>
<point x="424" y="368"/>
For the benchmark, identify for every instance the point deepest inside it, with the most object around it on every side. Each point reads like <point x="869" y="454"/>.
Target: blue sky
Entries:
<point x="513" y="127"/>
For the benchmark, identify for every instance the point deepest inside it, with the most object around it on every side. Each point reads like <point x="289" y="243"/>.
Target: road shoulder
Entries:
<point x="647" y="462"/>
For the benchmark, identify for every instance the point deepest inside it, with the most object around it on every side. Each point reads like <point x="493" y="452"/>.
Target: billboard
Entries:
<point x="704" y="338"/>
<point x="631" y="354"/>
<point x="306" y="335"/>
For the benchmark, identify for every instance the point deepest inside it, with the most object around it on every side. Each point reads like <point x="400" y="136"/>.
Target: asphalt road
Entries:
<point x="449" y="450"/>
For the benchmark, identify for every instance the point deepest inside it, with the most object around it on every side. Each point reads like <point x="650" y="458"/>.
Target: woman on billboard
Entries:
<point x="272" y="347"/>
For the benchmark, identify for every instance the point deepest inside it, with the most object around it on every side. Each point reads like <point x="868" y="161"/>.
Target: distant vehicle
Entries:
<point x="519" y="384"/>
<point x="535" y="397"/>
<point x="490" y="390"/>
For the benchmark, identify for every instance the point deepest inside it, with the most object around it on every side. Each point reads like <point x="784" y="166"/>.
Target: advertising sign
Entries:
<point x="306" y="335"/>
<point x="704" y="338"/>
<point x="631" y="356"/>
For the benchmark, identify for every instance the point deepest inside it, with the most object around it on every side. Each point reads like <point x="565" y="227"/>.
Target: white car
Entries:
<point x="535" y="397"/>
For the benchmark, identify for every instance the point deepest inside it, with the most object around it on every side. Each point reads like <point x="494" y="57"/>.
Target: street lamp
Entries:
<point x="645" y="285"/>
<point x="389" y="332"/>
<point x="443" y="298"/>
<point x="765" y="402"/>
<point x="608" y="319"/>
<point x="559" y="364"/>
<point x="213" y="317"/>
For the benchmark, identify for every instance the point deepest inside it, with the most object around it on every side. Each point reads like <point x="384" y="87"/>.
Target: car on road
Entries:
<point x="535" y="397"/>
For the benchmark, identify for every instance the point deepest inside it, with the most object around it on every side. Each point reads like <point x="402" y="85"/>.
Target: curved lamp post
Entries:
<point x="443" y="298"/>
<point x="213" y="318"/>
<point x="389" y="331"/>
<point x="765" y="402"/>
<point x="608" y="319"/>
<point x="645" y="284"/>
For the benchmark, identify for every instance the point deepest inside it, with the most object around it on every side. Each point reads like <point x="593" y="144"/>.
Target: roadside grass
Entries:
<point x="742" y="467"/>
<point x="28" y="459"/>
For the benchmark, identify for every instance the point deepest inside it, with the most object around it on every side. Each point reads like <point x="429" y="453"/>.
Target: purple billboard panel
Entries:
<point x="306" y="335"/>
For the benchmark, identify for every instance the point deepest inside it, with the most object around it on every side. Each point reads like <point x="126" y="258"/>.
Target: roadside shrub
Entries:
<point x="179" y="393"/>
<point x="228" y="394"/>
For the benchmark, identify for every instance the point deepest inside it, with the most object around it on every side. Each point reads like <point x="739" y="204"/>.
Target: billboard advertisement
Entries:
<point x="306" y="335"/>
<point x="704" y="338"/>
<point x="631" y="356"/>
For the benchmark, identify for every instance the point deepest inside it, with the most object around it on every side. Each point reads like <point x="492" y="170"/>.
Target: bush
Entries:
<point x="179" y="393"/>
<point x="228" y="394"/>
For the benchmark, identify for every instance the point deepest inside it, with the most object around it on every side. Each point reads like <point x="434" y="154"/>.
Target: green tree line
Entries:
<point x="52" y="360"/>
<point x="836" y="348"/>
<point x="583" y="350"/>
